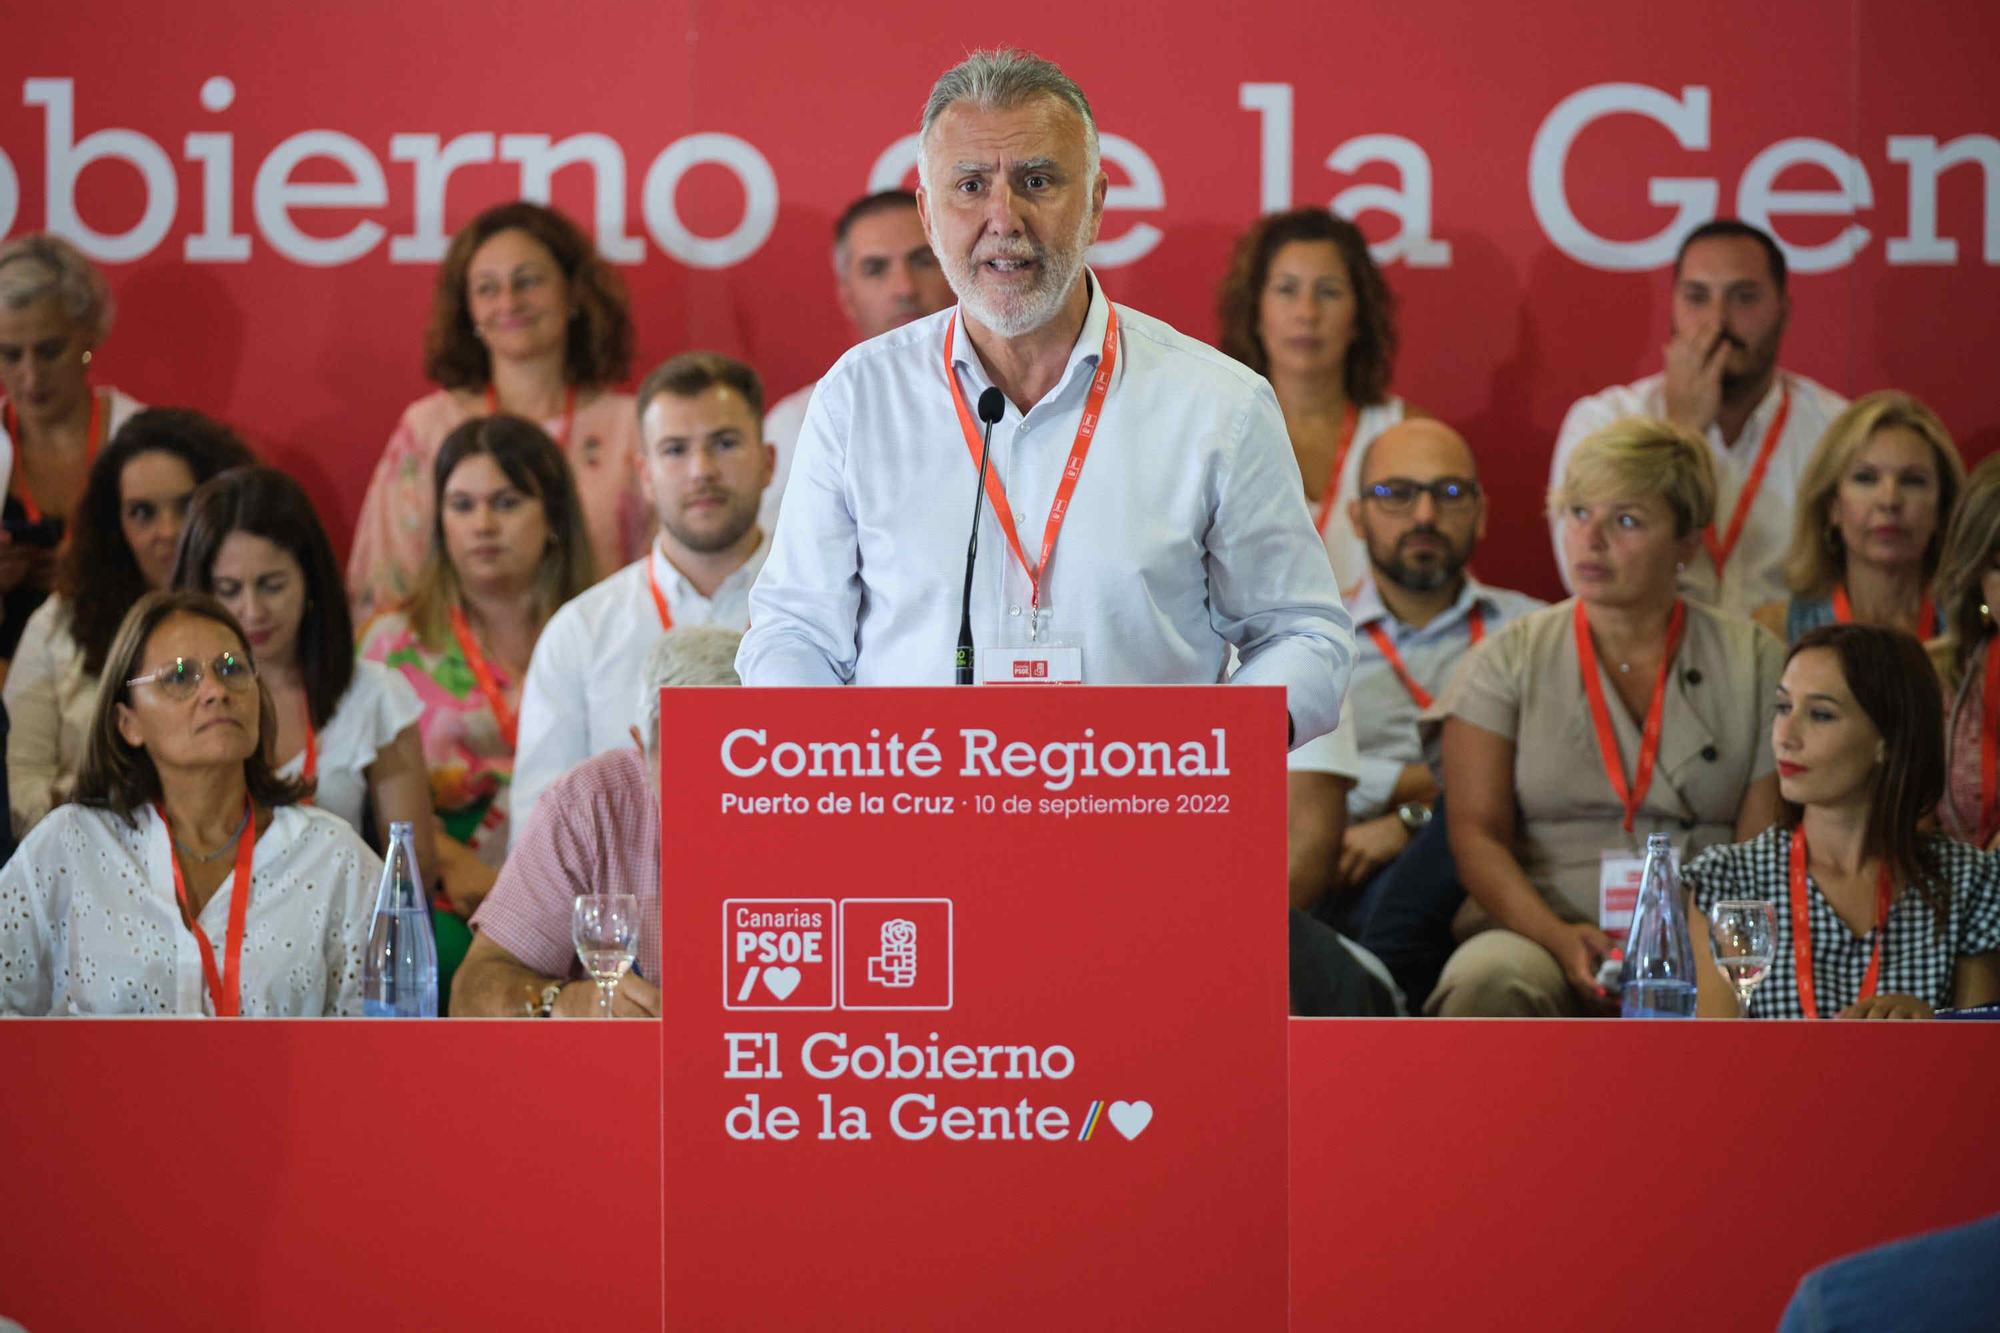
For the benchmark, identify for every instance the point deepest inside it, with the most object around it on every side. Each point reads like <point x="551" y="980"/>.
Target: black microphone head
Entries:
<point x="992" y="406"/>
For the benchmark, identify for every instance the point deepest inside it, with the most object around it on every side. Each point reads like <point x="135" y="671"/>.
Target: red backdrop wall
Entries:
<point x="1530" y="169"/>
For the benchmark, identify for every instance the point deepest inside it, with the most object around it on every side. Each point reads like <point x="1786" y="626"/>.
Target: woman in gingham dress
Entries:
<point x="1899" y="923"/>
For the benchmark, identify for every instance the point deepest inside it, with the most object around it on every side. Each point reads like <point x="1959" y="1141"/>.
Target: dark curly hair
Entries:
<point x="97" y="574"/>
<point x="599" y="349"/>
<point x="1371" y="357"/>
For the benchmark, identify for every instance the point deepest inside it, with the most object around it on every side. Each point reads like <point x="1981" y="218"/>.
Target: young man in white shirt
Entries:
<point x="1721" y="380"/>
<point x="1185" y="534"/>
<point x="885" y="277"/>
<point x="703" y="468"/>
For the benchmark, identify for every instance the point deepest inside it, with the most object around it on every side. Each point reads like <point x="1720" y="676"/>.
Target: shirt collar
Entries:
<point x="1364" y="603"/>
<point x="1085" y="353"/>
<point x="675" y="585"/>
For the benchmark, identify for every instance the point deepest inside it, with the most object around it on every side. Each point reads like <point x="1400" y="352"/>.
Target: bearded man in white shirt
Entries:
<point x="1721" y="380"/>
<point x="885" y="276"/>
<point x="703" y="467"/>
<point x="1185" y="533"/>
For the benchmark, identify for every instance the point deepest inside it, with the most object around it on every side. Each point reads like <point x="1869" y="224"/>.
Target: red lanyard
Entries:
<point x="29" y="508"/>
<point x="1843" y="611"/>
<point x="225" y="990"/>
<point x="1326" y="497"/>
<point x="1718" y="552"/>
<point x="1607" y="737"/>
<point x="1475" y="625"/>
<point x="569" y="411"/>
<point x="1086" y="429"/>
<point x="483" y="673"/>
<point x="659" y="598"/>
<point x="1989" y="745"/>
<point x="1802" y="929"/>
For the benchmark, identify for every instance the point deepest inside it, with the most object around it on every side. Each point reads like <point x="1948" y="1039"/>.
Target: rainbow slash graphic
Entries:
<point x="1089" y="1122"/>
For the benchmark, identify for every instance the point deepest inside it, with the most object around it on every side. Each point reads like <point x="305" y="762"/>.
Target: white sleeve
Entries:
<point x="25" y="935"/>
<point x="554" y="722"/>
<point x="357" y="873"/>
<point x="806" y="605"/>
<point x="34" y="720"/>
<point x="1271" y="589"/>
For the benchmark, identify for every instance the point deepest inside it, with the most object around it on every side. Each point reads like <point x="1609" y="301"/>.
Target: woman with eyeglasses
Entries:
<point x="1579" y="729"/>
<point x="526" y="318"/>
<point x="347" y="729"/>
<point x="188" y="877"/>
<point x="121" y="543"/>
<point x="1305" y="305"/>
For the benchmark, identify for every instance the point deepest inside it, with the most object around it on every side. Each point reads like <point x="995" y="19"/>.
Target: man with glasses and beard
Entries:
<point x="703" y="467"/>
<point x="1417" y="614"/>
<point x="1721" y="380"/>
<point x="1183" y="535"/>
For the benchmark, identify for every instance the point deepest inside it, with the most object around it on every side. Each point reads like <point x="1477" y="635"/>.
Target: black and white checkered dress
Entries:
<point x="1918" y="958"/>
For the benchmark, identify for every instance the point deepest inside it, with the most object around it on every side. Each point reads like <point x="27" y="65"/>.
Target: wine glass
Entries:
<point x="1743" y="934"/>
<point x="605" y="927"/>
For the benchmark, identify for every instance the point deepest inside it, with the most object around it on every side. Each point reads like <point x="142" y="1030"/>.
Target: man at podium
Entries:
<point x="1141" y="510"/>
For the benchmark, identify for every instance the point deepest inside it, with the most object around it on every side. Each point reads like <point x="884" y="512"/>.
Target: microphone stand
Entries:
<point x="992" y="406"/>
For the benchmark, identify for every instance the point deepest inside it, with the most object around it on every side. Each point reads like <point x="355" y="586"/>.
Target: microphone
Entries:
<point x="992" y="406"/>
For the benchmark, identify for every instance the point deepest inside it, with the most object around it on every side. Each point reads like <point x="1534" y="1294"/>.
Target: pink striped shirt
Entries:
<point x="595" y="830"/>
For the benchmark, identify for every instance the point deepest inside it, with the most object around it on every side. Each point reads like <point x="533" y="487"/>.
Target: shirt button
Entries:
<point x="1693" y="676"/>
<point x="1013" y="610"/>
<point x="1687" y="822"/>
<point x="1710" y="753"/>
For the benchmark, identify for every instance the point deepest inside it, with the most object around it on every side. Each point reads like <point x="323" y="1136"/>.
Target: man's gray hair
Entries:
<point x="42" y="264"/>
<point x="999" y="81"/>
<point x="684" y="655"/>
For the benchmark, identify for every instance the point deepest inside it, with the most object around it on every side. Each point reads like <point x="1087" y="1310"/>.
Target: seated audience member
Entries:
<point x="885" y="276"/>
<point x="1417" y="613"/>
<point x="349" y="729"/>
<point x="1581" y="728"/>
<point x="507" y="549"/>
<point x="120" y="545"/>
<point x="1937" y="1282"/>
<point x="1873" y="505"/>
<point x="1305" y="306"/>
<point x="705" y="465"/>
<point x="54" y="311"/>
<point x="1722" y="381"/>
<point x="599" y="832"/>
<point x="527" y="319"/>
<point x="197" y="854"/>
<point x="1875" y="917"/>
<point x="1968" y="595"/>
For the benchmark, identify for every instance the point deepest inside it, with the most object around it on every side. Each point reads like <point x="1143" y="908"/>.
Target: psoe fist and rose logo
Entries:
<point x="859" y="954"/>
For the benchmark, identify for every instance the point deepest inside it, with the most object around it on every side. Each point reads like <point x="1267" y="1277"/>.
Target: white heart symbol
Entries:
<point x="781" y="981"/>
<point x="1131" y="1118"/>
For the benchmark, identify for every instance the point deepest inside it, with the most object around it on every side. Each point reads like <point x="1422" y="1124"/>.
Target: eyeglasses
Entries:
<point x="182" y="677"/>
<point x="1398" y="495"/>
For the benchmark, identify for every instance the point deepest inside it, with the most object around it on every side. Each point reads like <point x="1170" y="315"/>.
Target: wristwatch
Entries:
<point x="1413" y="817"/>
<point x="547" y="1005"/>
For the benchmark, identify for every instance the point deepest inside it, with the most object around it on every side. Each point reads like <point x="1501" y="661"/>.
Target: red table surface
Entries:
<point x="506" y="1175"/>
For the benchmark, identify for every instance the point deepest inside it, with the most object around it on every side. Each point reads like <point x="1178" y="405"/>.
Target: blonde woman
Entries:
<point x="1873" y="504"/>
<point x="1577" y="730"/>
<point x="1968" y="598"/>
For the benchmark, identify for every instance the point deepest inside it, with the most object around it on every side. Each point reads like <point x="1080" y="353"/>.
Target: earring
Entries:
<point x="86" y="357"/>
<point x="1680" y="566"/>
<point x="1985" y="614"/>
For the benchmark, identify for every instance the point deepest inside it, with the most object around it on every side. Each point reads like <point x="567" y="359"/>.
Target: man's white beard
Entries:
<point x="1030" y="310"/>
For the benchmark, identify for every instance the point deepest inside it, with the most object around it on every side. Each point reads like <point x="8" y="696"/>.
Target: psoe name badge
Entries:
<point x="1619" y="874"/>
<point x="1031" y="666"/>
